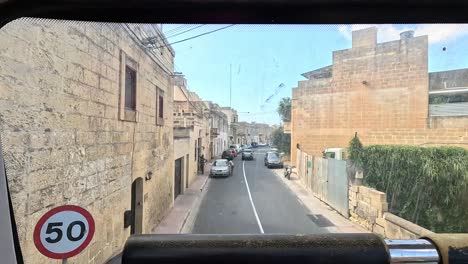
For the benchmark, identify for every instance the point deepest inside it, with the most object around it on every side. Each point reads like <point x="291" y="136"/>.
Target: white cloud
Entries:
<point x="345" y="31"/>
<point x="436" y="32"/>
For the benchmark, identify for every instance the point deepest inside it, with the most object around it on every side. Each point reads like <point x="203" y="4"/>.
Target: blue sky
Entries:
<point x="265" y="58"/>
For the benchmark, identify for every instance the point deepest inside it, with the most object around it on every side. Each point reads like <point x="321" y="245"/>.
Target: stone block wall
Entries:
<point x="398" y="228"/>
<point x="198" y="131"/>
<point x="369" y="208"/>
<point x="367" y="205"/>
<point x="379" y="91"/>
<point x="364" y="37"/>
<point x="63" y="140"/>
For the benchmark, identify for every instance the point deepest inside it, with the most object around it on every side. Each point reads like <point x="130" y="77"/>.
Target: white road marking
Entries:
<point x="251" y="200"/>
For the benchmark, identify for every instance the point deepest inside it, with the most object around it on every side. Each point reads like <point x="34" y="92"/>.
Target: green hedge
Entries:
<point x="425" y="185"/>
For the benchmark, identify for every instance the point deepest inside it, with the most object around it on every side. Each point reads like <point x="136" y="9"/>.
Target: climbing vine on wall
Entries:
<point x="425" y="185"/>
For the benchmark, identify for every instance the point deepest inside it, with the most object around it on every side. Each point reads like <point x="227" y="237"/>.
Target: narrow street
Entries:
<point x="253" y="200"/>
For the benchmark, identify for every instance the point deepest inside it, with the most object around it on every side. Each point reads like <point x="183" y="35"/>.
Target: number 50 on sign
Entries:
<point x="64" y="232"/>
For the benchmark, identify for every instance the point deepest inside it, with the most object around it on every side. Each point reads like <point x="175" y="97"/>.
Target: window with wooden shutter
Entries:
<point x="159" y="106"/>
<point x="130" y="89"/>
<point x="128" y="106"/>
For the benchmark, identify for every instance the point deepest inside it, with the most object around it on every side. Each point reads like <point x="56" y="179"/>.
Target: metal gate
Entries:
<point x="319" y="178"/>
<point x="337" y="186"/>
<point x="329" y="183"/>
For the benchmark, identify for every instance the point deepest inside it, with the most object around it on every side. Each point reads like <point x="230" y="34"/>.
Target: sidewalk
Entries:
<point x="305" y="196"/>
<point x="183" y="213"/>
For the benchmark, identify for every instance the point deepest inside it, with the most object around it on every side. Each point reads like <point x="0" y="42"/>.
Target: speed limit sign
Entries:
<point x="64" y="231"/>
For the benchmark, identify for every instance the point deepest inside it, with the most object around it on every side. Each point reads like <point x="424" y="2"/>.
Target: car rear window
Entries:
<point x="220" y="163"/>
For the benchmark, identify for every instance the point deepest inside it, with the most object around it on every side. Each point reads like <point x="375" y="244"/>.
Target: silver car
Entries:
<point x="221" y="167"/>
<point x="273" y="159"/>
<point x="247" y="154"/>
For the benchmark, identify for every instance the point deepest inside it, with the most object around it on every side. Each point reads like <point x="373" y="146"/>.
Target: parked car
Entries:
<point x="234" y="152"/>
<point x="245" y="146"/>
<point x="247" y="155"/>
<point x="271" y="151"/>
<point x="221" y="167"/>
<point x="238" y="148"/>
<point x="241" y="149"/>
<point x="234" y="146"/>
<point x="273" y="159"/>
<point x="227" y="154"/>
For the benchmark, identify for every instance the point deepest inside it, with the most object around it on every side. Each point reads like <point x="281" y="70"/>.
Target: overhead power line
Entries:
<point x="190" y="29"/>
<point x="196" y="36"/>
<point x="164" y="36"/>
<point x="181" y="27"/>
<point x="137" y="39"/>
<point x="160" y="35"/>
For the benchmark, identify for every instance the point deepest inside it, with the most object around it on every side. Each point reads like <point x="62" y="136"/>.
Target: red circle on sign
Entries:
<point x="46" y="216"/>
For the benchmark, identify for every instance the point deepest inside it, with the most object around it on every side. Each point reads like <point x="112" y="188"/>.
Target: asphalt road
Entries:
<point x="228" y="208"/>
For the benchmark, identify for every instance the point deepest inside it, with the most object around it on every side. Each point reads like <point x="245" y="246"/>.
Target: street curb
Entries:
<point x="189" y="221"/>
<point x="204" y="184"/>
<point x="183" y="223"/>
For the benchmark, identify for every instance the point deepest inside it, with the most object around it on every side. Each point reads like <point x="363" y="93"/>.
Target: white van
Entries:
<point x="335" y="153"/>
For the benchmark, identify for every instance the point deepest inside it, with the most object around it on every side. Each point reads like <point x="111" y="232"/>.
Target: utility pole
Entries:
<point x="230" y="85"/>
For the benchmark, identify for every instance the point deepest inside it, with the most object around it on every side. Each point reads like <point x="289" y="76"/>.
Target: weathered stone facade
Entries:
<point x="232" y="119"/>
<point x="219" y="129"/>
<point x="191" y="130"/>
<point x="263" y="132"/>
<point x="379" y="90"/>
<point x="182" y="152"/>
<point x="243" y="132"/>
<point x="254" y="132"/>
<point x="63" y="139"/>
